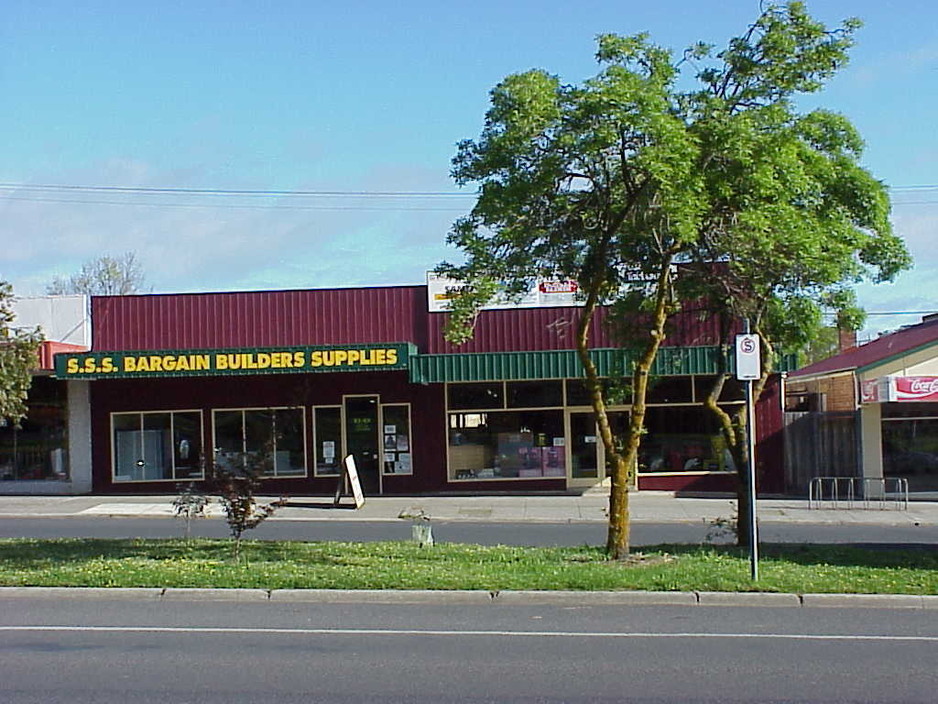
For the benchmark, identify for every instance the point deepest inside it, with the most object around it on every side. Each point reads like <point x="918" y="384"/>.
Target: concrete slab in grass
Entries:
<point x="112" y="593"/>
<point x="748" y="599"/>
<point x="380" y="596"/>
<point x="175" y="594"/>
<point x="863" y="601"/>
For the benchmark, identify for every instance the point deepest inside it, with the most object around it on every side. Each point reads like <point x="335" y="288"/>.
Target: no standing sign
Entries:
<point x="748" y="362"/>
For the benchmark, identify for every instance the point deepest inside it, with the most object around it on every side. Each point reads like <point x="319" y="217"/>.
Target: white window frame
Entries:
<point x="340" y="450"/>
<point x="172" y="430"/>
<point x="410" y="441"/>
<point x="244" y="410"/>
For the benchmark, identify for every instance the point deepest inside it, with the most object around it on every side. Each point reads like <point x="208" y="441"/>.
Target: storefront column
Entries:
<point x="79" y="436"/>
<point x="871" y="440"/>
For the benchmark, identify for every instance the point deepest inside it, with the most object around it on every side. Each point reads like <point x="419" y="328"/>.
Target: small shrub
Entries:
<point x="190" y="502"/>
<point x="238" y="477"/>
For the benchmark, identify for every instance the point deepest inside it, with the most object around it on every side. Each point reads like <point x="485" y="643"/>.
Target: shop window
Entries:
<point x="733" y="389"/>
<point x="36" y="447"/>
<point x="910" y="449"/>
<point x="683" y="439"/>
<point x="163" y="446"/>
<point x="616" y="392"/>
<point x="670" y="389"/>
<point x="327" y="440"/>
<point x="277" y="435"/>
<point x="398" y="453"/>
<point x="482" y="396"/>
<point x="506" y="445"/>
<point x="535" y="394"/>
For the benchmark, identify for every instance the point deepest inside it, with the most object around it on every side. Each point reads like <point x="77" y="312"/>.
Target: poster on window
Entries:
<point x="328" y="450"/>
<point x="403" y="444"/>
<point x="403" y="463"/>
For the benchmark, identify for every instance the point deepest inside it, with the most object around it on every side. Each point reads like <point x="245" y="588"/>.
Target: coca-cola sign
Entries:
<point x="869" y="391"/>
<point x="916" y="388"/>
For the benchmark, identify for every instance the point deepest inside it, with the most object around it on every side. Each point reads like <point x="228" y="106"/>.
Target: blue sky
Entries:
<point x="363" y="97"/>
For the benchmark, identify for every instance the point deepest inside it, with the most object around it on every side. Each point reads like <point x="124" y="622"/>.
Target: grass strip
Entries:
<point x="402" y="565"/>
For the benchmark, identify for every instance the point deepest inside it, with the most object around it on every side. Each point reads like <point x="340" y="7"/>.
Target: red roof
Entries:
<point x="879" y="350"/>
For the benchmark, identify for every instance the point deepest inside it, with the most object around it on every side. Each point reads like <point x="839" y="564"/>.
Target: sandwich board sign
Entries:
<point x="350" y="478"/>
<point x="748" y="359"/>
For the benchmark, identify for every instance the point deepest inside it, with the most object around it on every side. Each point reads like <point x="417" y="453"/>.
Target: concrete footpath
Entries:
<point x="590" y="507"/>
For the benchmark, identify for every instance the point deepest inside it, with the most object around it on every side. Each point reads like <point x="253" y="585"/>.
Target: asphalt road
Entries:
<point x="77" y="651"/>
<point x="463" y="532"/>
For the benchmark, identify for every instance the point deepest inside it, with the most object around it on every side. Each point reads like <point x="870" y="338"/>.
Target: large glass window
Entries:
<point x="535" y="394"/>
<point x="398" y="452"/>
<point x="276" y="434"/>
<point x="465" y="396"/>
<point x="616" y="392"/>
<point x="36" y="447"/>
<point x="162" y="446"/>
<point x="910" y="445"/>
<point x="683" y="439"/>
<point x="506" y="445"/>
<point x="327" y="439"/>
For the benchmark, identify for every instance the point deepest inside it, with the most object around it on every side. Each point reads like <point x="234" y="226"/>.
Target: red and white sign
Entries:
<point x="870" y="391"/>
<point x="558" y="287"/>
<point x="899" y="388"/>
<point x="916" y="388"/>
<point x="748" y="357"/>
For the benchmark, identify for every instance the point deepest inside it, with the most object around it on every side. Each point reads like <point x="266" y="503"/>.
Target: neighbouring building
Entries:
<point x="869" y="412"/>
<point x="173" y="384"/>
<point x="35" y="454"/>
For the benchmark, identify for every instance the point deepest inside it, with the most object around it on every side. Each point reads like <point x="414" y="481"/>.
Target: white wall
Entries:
<point x="61" y="318"/>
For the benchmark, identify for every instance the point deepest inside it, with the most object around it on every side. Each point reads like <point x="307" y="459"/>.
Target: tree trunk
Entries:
<point x="735" y="430"/>
<point x="617" y="543"/>
<point x="624" y="461"/>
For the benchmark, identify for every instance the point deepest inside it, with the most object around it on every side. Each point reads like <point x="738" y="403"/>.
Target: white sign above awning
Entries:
<point x="901" y="389"/>
<point x="543" y="294"/>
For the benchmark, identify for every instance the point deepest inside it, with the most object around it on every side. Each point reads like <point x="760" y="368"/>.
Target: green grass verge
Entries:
<point x="398" y="565"/>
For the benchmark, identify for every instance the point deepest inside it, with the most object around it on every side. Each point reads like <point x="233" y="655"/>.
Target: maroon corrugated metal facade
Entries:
<point x="337" y="317"/>
<point x="260" y="319"/>
<point x="346" y="316"/>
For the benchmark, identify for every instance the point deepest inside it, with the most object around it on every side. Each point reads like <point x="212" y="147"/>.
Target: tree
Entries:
<point x="649" y="196"/>
<point x="18" y="350"/>
<point x="120" y="275"/>
<point x="238" y="479"/>
<point x="596" y="183"/>
<point x="793" y="219"/>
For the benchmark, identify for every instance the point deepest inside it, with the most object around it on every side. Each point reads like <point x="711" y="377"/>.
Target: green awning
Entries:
<point x="555" y="364"/>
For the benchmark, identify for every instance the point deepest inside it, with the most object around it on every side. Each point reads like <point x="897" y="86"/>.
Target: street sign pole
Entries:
<point x="748" y="369"/>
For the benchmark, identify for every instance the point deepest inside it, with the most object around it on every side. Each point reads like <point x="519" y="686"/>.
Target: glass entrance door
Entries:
<point x="584" y="449"/>
<point x="588" y="463"/>
<point x="361" y="440"/>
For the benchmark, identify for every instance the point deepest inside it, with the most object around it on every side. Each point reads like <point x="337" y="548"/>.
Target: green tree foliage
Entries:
<point x="649" y="195"/>
<point x="120" y="275"/>
<point x="794" y="220"/>
<point x="18" y="350"/>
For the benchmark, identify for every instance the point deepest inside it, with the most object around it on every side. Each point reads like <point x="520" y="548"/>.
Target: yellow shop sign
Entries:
<point x="116" y="365"/>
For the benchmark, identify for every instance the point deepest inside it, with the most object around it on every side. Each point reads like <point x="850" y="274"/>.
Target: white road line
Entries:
<point x="451" y="633"/>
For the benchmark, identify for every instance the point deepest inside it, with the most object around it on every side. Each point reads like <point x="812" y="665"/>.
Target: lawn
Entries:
<point x="401" y="565"/>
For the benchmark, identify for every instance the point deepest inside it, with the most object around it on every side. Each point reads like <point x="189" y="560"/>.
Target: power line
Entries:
<point x="232" y="192"/>
<point x="238" y="206"/>
<point x="287" y="192"/>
